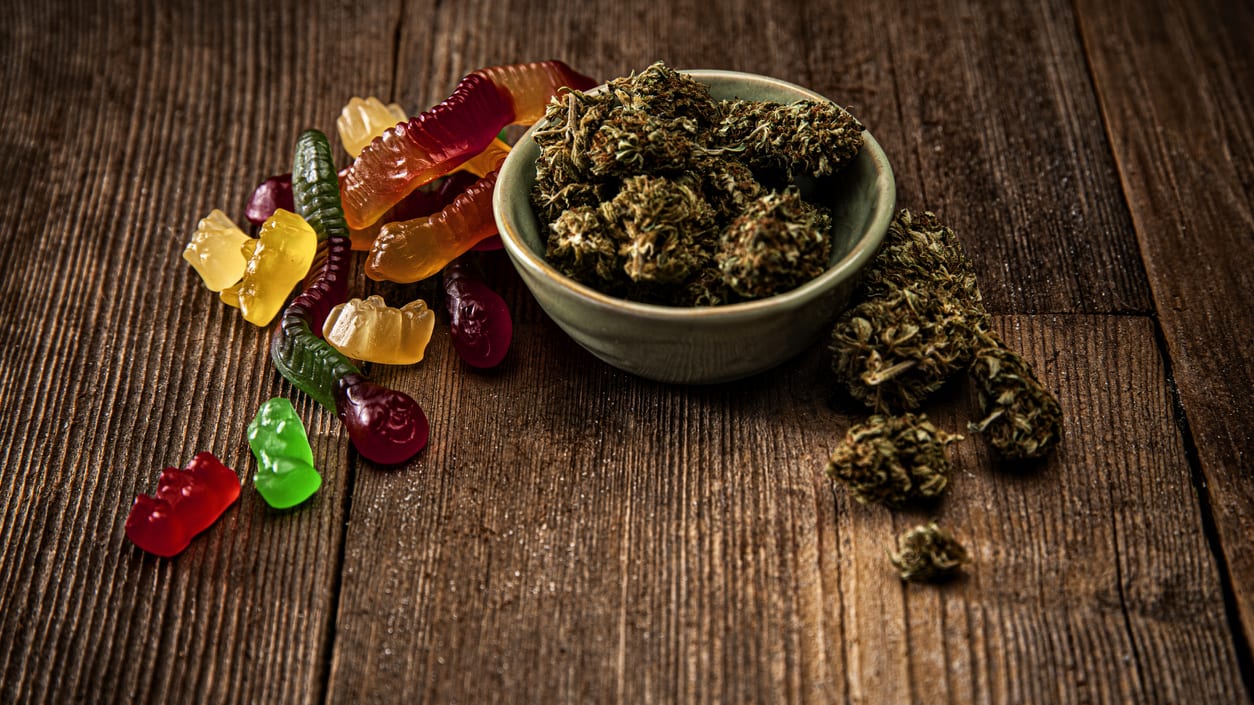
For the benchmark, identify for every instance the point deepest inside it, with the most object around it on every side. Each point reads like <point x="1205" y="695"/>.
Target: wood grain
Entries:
<point x="573" y="534"/>
<point x="133" y="121"/>
<point x="1171" y="81"/>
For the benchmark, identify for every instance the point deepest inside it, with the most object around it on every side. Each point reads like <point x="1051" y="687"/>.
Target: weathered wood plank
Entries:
<point x="987" y="113"/>
<point x="131" y="121"/>
<point x="1173" y="82"/>
<point x="1092" y="580"/>
<point x="632" y="542"/>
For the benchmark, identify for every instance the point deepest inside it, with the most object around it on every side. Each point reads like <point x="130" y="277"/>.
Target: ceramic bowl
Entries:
<point x="700" y="345"/>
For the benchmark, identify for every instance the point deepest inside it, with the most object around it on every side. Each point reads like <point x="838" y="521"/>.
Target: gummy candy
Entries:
<point x="386" y="426"/>
<point x="434" y="143"/>
<point x="413" y="250"/>
<point x="277" y="261"/>
<point x="488" y="160"/>
<point x="363" y="120"/>
<point x="419" y="203"/>
<point x="270" y="195"/>
<point x="186" y="503"/>
<point x="285" y="470"/>
<point x="316" y="186"/>
<point x="372" y="331"/>
<point x="214" y="251"/>
<point x="530" y="86"/>
<point x="480" y="321"/>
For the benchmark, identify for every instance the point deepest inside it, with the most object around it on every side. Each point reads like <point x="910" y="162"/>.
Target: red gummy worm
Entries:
<point x="186" y="503"/>
<point x="530" y="86"/>
<point x="421" y="150"/>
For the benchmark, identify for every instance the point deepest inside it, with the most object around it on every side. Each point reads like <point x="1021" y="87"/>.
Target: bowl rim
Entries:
<point x="848" y="266"/>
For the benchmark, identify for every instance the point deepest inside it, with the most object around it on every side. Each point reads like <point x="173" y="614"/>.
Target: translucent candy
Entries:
<point x="385" y="426"/>
<point x="372" y="331"/>
<point x="418" y="204"/>
<point x="434" y="143"/>
<point x="413" y="250"/>
<point x="277" y="261"/>
<point x="285" y="474"/>
<point x="363" y="120"/>
<point x="531" y="85"/>
<point x="430" y="145"/>
<point x="479" y="319"/>
<point x="488" y="160"/>
<point x="214" y="251"/>
<point x="269" y="196"/>
<point x="186" y="503"/>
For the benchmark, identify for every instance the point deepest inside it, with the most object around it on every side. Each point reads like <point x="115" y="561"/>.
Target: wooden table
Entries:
<point x="572" y="533"/>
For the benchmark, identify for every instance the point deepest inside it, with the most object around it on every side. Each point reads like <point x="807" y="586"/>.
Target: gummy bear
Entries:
<point x="481" y="325"/>
<point x="214" y="251"/>
<point x="269" y="196"/>
<point x="277" y="261"/>
<point x="285" y="470"/>
<point x="372" y="331"/>
<point x="363" y="120"/>
<point x="186" y="503"/>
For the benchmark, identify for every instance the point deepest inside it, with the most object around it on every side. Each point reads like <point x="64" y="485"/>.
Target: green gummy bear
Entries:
<point x="285" y="470"/>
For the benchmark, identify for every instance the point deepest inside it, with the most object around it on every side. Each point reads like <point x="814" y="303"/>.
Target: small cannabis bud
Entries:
<point x="635" y="142"/>
<point x="928" y="554"/>
<point x="664" y="224"/>
<point x="778" y="243"/>
<point x="1022" y="419"/>
<point x="893" y="460"/>
<point x="892" y="351"/>
<point x="581" y="246"/>
<point x="919" y="249"/>
<point x="806" y="137"/>
<point x="917" y="320"/>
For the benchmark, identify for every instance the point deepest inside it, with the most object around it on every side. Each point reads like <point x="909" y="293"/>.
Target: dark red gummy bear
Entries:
<point x="186" y="503"/>
<point x="386" y="426"/>
<point x="481" y="327"/>
<point x="272" y="194"/>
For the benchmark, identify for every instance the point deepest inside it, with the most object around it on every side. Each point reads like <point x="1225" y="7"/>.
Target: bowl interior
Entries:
<point x="861" y="198"/>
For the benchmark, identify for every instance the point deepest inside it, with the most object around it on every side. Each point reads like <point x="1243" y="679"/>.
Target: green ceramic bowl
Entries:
<point x="705" y="344"/>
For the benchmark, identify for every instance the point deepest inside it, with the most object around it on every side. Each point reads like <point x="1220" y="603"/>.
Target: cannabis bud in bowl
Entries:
<point x="696" y="226"/>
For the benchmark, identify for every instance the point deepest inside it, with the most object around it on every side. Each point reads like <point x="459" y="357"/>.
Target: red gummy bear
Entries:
<point x="187" y="502"/>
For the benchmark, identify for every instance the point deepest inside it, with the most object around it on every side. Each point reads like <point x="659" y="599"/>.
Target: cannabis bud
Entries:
<point x="656" y="192"/>
<point x="806" y="137"/>
<point x="916" y="322"/>
<point x="1022" y="419"/>
<point x="778" y="243"/>
<point x="893" y="460"/>
<point x="928" y="554"/>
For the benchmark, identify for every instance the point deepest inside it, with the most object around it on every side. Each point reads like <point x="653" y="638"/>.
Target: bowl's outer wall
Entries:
<point x="715" y="344"/>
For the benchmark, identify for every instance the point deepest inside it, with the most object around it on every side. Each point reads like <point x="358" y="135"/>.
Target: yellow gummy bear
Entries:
<point x="277" y="261"/>
<point x="214" y="251"/>
<point x="363" y="120"/>
<point x="372" y="331"/>
<point x="489" y="159"/>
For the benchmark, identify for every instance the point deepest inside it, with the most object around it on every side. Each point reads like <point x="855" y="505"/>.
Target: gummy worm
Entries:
<point x="385" y="425"/>
<point x="434" y="143"/>
<point x="413" y="250"/>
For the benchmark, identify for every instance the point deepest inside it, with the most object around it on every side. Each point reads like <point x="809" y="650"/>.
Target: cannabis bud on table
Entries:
<point x="893" y="460"/>
<point x="928" y="554"/>
<point x="918" y="319"/>
<point x="654" y="191"/>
